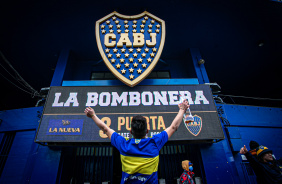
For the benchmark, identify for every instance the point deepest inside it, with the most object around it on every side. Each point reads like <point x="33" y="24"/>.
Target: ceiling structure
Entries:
<point x="240" y="41"/>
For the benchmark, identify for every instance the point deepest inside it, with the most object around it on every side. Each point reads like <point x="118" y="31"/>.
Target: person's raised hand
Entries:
<point x="184" y="105"/>
<point x="243" y="150"/>
<point x="89" y="112"/>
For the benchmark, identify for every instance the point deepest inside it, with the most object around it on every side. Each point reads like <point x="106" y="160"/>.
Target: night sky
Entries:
<point x="240" y="41"/>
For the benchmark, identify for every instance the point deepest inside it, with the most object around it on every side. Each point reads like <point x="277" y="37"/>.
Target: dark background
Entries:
<point x="241" y="42"/>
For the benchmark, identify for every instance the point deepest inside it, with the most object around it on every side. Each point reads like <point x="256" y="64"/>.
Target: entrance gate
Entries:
<point x="97" y="164"/>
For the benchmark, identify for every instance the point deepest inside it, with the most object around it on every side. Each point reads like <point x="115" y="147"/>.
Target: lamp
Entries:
<point x="201" y="61"/>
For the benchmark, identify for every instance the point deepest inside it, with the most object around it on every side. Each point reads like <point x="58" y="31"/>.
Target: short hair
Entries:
<point x="138" y="127"/>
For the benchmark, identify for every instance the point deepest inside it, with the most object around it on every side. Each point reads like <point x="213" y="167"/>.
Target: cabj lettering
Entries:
<point x="138" y="40"/>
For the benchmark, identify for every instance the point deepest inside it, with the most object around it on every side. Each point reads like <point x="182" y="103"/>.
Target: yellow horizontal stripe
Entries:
<point x="258" y="151"/>
<point x="133" y="165"/>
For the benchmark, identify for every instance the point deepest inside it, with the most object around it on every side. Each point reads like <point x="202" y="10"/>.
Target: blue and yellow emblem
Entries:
<point x="195" y="127"/>
<point x="130" y="45"/>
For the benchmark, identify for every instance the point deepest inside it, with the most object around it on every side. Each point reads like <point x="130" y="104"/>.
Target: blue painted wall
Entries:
<point x="35" y="163"/>
<point x="27" y="161"/>
<point x="261" y="124"/>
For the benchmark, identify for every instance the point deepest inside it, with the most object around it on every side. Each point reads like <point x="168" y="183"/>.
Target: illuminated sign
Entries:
<point x="130" y="45"/>
<point x="64" y="120"/>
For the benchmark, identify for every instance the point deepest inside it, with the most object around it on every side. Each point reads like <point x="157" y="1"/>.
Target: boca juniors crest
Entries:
<point x="194" y="127"/>
<point x="130" y="45"/>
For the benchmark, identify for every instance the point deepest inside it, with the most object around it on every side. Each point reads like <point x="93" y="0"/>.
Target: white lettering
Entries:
<point x="145" y="95"/>
<point x="56" y="101"/>
<point x="134" y="98"/>
<point x="200" y="96"/>
<point x="159" y="97"/>
<point x="72" y="99"/>
<point x="122" y="98"/>
<point x="92" y="99"/>
<point x="107" y="95"/>
<point x="173" y="99"/>
<point x="187" y="95"/>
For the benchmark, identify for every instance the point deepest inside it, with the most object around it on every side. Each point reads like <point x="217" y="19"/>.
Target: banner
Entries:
<point x="64" y="120"/>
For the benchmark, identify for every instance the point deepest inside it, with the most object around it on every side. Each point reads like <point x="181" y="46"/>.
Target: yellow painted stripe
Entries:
<point x="258" y="151"/>
<point x="133" y="165"/>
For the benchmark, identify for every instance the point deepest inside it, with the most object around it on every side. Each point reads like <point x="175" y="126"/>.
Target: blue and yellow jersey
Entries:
<point x="139" y="157"/>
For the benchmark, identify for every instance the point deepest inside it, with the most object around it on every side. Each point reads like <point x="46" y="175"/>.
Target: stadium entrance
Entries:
<point x="98" y="164"/>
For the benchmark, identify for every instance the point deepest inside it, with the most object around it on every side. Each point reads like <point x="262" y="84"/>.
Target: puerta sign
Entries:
<point x="64" y="120"/>
<point x="130" y="46"/>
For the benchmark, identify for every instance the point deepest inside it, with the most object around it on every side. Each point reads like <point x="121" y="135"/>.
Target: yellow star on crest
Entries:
<point x="149" y="60"/>
<point x="134" y="22"/>
<point x="123" y="71"/>
<point x="102" y="26"/>
<point x="111" y="31"/>
<point x="114" y="18"/>
<point x="108" y="21"/>
<point x="130" y="50"/>
<point x="115" y="50"/>
<point x="135" y="65"/>
<point x="131" y="60"/>
<point x="158" y="26"/>
<point x="140" y="60"/>
<point x="143" y="55"/>
<point x="126" y="65"/>
<point x="154" y="49"/>
<point x="125" y="22"/>
<point x="152" y="21"/>
<point x="121" y="60"/>
<point x="134" y="26"/>
<point x="111" y="26"/>
<point x="135" y="55"/>
<point x="157" y="30"/>
<point x="126" y="26"/>
<point x="149" y="30"/>
<point x="116" y="21"/>
<point x="142" y="30"/>
<point x="144" y="21"/>
<point x="131" y="70"/>
<point x="119" y="31"/>
<point x="144" y="65"/>
<point x="146" y="18"/>
<point x="113" y="60"/>
<point x="152" y="54"/>
<point x="107" y="50"/>
<point x="118" y="26"/>
<point x="138" y="50"/>
<point x="118" y="55"/>
<point x="142" y="26"/>
<point x="126" y="55"/>
<point x="150" y="26"/>
<point x="118" y="65"/>
<point x="109" y="55"/>
<point x="123" y="50"/>
<point x="103" y="31"/>
<point x="134" y="31"/>
<point x="146" y="50"/>
<point x="139" y="70"/>
<point x="131" y="76"/>
<point x="126" y="31"/>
